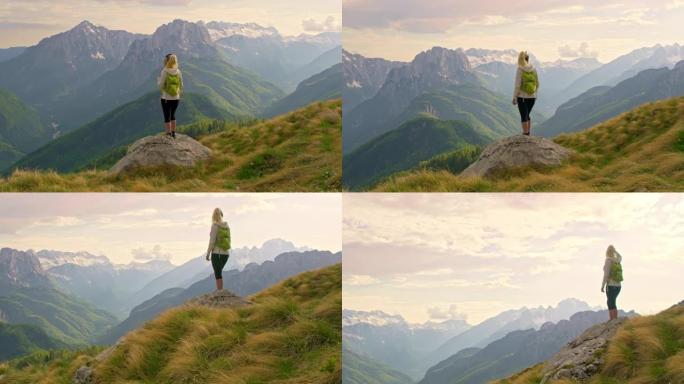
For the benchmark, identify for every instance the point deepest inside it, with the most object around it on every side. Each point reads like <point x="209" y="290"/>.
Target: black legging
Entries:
<point x="169" y="107"/>
<point x="612" y="292"/>
<point x="218" y="261"/>
<point x="525" y="107"/>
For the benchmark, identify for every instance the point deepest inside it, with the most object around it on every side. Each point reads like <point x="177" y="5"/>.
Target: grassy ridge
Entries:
<point x="648" y="349"/>
<point x="299" y="151"/>
<point x="292" y="334"/>
<point x="640" y="150"/>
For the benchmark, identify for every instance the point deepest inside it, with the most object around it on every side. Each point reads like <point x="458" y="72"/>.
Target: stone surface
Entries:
<point x="161" y="150"/>
<point x="83" y="375"/>
<point x="582" y="357"/>
<point x="222" y="298"/>
<point x="517" y="152"/>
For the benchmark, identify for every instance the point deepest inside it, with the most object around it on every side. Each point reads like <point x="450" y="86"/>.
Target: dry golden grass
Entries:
<point x="299" y="151"/>
<point x="292" y="334"/>
<point x="640" y="150"/>
<point x="648" y="349"/>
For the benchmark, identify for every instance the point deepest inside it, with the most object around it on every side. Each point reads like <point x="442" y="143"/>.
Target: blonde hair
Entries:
<point x="217" y="216"/>
<point x="610" y="252"/>
<point x="171" y="61"/>
<point x="523" y="59"/>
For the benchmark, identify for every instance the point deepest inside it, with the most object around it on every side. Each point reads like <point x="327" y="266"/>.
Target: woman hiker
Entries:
<point x="170" y="82"/>
<point x="525" y="90"/>
<point x="219" y="246"/>
<point x="612" y="279"/>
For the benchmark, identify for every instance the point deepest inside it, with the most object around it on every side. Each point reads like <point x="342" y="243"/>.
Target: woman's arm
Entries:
<point x="161" y="80"/>
<point x="516" y="85"/>
<point x="606" y="273"/>
<point x="212" y="240"/>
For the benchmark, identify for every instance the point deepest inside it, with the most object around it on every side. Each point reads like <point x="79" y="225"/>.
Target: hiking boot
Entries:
<point x="173" y="134"/>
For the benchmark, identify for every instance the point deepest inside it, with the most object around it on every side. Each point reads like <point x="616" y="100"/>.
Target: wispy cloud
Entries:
<point x="523" y="250"/>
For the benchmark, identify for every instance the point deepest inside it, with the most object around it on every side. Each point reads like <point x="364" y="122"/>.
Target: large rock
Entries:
<point x="517" y="152"/>
<point x="222" y="298"/>
<point x="582" y="358"/>
<point x="161" y="150"/>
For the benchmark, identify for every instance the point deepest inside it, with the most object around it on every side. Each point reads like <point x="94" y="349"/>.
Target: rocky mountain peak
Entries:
<point x="20" y="269"/>
<point x="582" y="358"/>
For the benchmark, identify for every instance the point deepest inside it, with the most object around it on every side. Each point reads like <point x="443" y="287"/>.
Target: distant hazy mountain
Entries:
<point x="602" y="103"/>
<point x="392" y="341"/>
<point x="28" y="296"/>
<point x="512" y="352"/>
<point x="206" y="71"/>
<point x="10" y="53"/>
<point x="59" y="65"/>
<point x="429" y="71"/>
<point x="21" y="130"/>
<point x="498" y="326"/>
<point x="283" y="60"/>
<point x="625" y="66"/>
<point x="358" y="369"/>
<point x="250" y="280"/>
<point x="363" y="77"/>
<point x="326" y="85"/>
<point x="198" y="268"/>
<point x="497" y="71"/>
<point x="104" y="284"/>
<point x="118" y="128"/>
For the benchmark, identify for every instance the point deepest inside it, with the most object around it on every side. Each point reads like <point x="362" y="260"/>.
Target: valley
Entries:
<point x="470" y="87"/>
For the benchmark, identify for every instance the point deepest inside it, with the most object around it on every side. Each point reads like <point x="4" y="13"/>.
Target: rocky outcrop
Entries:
<point x="222" y="298"/>
<point x="583" y="357"/>
<point x="160" y="151"/>
<point x="517" y="152"/>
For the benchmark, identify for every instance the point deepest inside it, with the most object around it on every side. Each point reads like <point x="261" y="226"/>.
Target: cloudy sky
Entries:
<point x="25" y="22"/>
<point x="438" y="256"/>
<point x="174" y="226"/>
<point x="550" y="29"/>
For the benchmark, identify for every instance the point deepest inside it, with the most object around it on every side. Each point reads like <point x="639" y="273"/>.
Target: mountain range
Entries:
<point x="514" y="351"/>
<point x="29" y="296"/>
<point x="253" y="278"/>
<point x="474" y="86"/>
<point x="289" y="332"/>
<point x="97" y="81"/>
<point x="602" y="103"/>
<point x="412" y="349"/>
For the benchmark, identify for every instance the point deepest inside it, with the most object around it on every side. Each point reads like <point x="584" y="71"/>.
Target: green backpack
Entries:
<point x="223" y="238"/>
<point x="172" y="85"/>
<point x="529" y="82"/>
<point x="616" y="272"/>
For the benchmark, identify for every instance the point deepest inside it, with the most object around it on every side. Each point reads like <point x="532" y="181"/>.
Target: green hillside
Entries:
<point x="363" y="370"/>
<point x="299" y="151"/>
<point x="61" y="316"/>
<point x="326" y="85"/>
<point x="491" y="114"/>
<point x="291" y="334"/>
<point x="21" y="130"/>
<point x="117" y="128"/>
<point x="21" y="339"/>
<point x="640" y="150"/>
<point x="416" y="140"/>
<point x="648" y="349"/>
